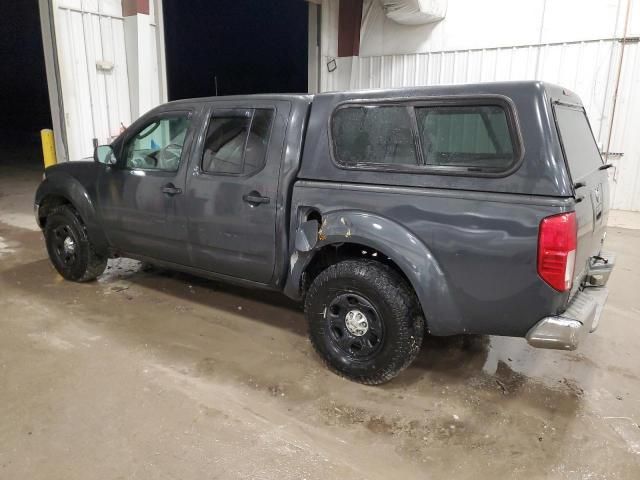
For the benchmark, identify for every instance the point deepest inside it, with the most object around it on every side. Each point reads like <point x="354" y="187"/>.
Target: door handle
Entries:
<point x="254" y="198"/>
<point x="170" y="189"/>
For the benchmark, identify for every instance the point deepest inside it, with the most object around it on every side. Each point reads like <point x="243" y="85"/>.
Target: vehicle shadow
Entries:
<point x="266" y="306"/>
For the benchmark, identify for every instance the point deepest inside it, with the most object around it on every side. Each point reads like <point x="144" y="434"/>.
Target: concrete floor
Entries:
<point x="152" y="374"/>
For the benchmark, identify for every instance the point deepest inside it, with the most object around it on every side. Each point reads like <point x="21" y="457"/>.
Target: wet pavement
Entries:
<point x="148" y="373"/>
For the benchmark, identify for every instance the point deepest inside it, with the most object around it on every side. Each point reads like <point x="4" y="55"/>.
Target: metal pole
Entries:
<point x="48" y="147"/>
<point x="618" y="75"/>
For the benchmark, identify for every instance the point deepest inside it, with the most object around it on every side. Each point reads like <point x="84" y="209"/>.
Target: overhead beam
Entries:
<point x="133" y="7"/>
<point x="349" y="22"/>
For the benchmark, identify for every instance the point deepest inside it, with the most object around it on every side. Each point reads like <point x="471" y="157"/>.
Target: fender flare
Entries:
<point x="391" y="239"/>
<point x="67" y="187"/>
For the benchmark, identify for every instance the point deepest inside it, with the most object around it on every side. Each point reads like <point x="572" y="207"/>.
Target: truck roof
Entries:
<point x="509" y="89"/>
<point x="293" y="97"/>
<point x="555" y="92"/>
<point x="540" y="169"/>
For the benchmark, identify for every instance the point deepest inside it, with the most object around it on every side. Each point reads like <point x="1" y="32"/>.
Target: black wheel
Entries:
<point x="69" y="247"/>
<point x="364" y="320"/>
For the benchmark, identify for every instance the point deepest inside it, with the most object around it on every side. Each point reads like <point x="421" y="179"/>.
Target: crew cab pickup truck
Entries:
<point x="468" y="209"/>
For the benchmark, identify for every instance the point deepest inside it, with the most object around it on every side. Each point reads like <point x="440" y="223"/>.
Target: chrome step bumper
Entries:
<point x="565" y="331"/>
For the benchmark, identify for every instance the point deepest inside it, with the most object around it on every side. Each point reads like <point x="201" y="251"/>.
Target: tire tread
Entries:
<point x="96" y="263"/>
<point x="401" y="300"/>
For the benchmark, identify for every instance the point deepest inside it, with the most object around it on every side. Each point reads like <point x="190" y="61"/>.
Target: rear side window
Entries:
<point x="473" y="137"/>
<point x="374" y="134"/>
<point x="460" y="138"/>
<point x="580" y="149"/>
<point x="236" y="141"/>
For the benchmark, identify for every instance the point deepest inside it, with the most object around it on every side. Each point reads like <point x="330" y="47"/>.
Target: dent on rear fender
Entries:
<point x="341" y="228"/>
<point x="311" y="236"/>
<point x="392" y="240"/>
<point x="306" y="239"/>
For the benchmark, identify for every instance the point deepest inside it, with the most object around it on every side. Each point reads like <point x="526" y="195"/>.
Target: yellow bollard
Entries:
<point x="48" y="147"/>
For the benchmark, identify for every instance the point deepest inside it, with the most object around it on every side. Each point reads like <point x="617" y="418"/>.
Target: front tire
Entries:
<point x="69" y="247"/>
<point x="364" y="320"/>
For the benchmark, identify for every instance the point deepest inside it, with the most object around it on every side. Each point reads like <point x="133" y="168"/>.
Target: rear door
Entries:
<point x="590" y="179"/>
<point x="232" y="188"/>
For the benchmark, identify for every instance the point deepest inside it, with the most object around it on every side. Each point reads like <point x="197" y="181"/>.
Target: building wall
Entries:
<point x="494" y="23"/>
<point x="575" y="43"/>
<point x="97" y="62"/>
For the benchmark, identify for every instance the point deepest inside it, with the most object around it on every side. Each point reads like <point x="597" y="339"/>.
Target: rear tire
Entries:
<point x="69" y="247"/>
<point x="364" y="321"/>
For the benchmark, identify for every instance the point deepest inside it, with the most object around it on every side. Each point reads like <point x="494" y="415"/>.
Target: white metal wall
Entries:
<point x="625" y="137"/>
<point x="90" y="33"/>
<point x="97" y="93"/>
<point x="493" y="23"/>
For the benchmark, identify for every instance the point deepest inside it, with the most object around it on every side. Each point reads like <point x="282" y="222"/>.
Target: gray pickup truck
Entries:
<point x="468" y="209"/>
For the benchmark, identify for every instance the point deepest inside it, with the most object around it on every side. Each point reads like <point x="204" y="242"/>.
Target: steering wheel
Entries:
<point x="143" y="161"/>
<point x="169" y="154"/>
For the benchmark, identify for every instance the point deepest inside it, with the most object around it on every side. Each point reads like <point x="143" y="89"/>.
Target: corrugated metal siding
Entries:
<point x="589" y="68"/>
<point x="625" y="137"/>
<point x="96" y="101"/>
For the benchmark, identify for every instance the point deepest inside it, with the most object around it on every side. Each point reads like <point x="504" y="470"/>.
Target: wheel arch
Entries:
<point x="394" y="244"/>
<point x="66" y="190"/>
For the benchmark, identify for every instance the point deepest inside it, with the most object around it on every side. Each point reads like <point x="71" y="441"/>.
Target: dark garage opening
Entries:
<point x="23" y="85"/>
<point x="248" y="46"/>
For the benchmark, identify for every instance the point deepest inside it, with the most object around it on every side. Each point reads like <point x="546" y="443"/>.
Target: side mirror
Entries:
<point x="104" y="154"/>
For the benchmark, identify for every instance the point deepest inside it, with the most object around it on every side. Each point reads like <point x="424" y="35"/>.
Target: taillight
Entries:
<point x="557" y="242"/>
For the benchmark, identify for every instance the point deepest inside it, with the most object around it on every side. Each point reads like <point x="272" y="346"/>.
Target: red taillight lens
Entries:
<point x="557" y="242"/>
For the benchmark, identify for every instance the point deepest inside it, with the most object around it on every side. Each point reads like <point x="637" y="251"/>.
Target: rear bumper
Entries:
<point x="566" y="331"/>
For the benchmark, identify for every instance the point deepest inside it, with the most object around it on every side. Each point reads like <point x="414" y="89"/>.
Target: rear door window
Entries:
<point x="236" y="141"/>
<point x="580" y="148"/>
<point x="465" y="136"/>
<point x="374" y="134"/>
<point x="224" y="143"/>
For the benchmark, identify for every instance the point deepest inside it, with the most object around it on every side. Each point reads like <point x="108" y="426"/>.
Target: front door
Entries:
<point x="141" y="198"/>
<point x="232" y="189"/>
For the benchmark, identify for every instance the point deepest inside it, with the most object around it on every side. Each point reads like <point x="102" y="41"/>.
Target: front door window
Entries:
<point x="158" y="146"/>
